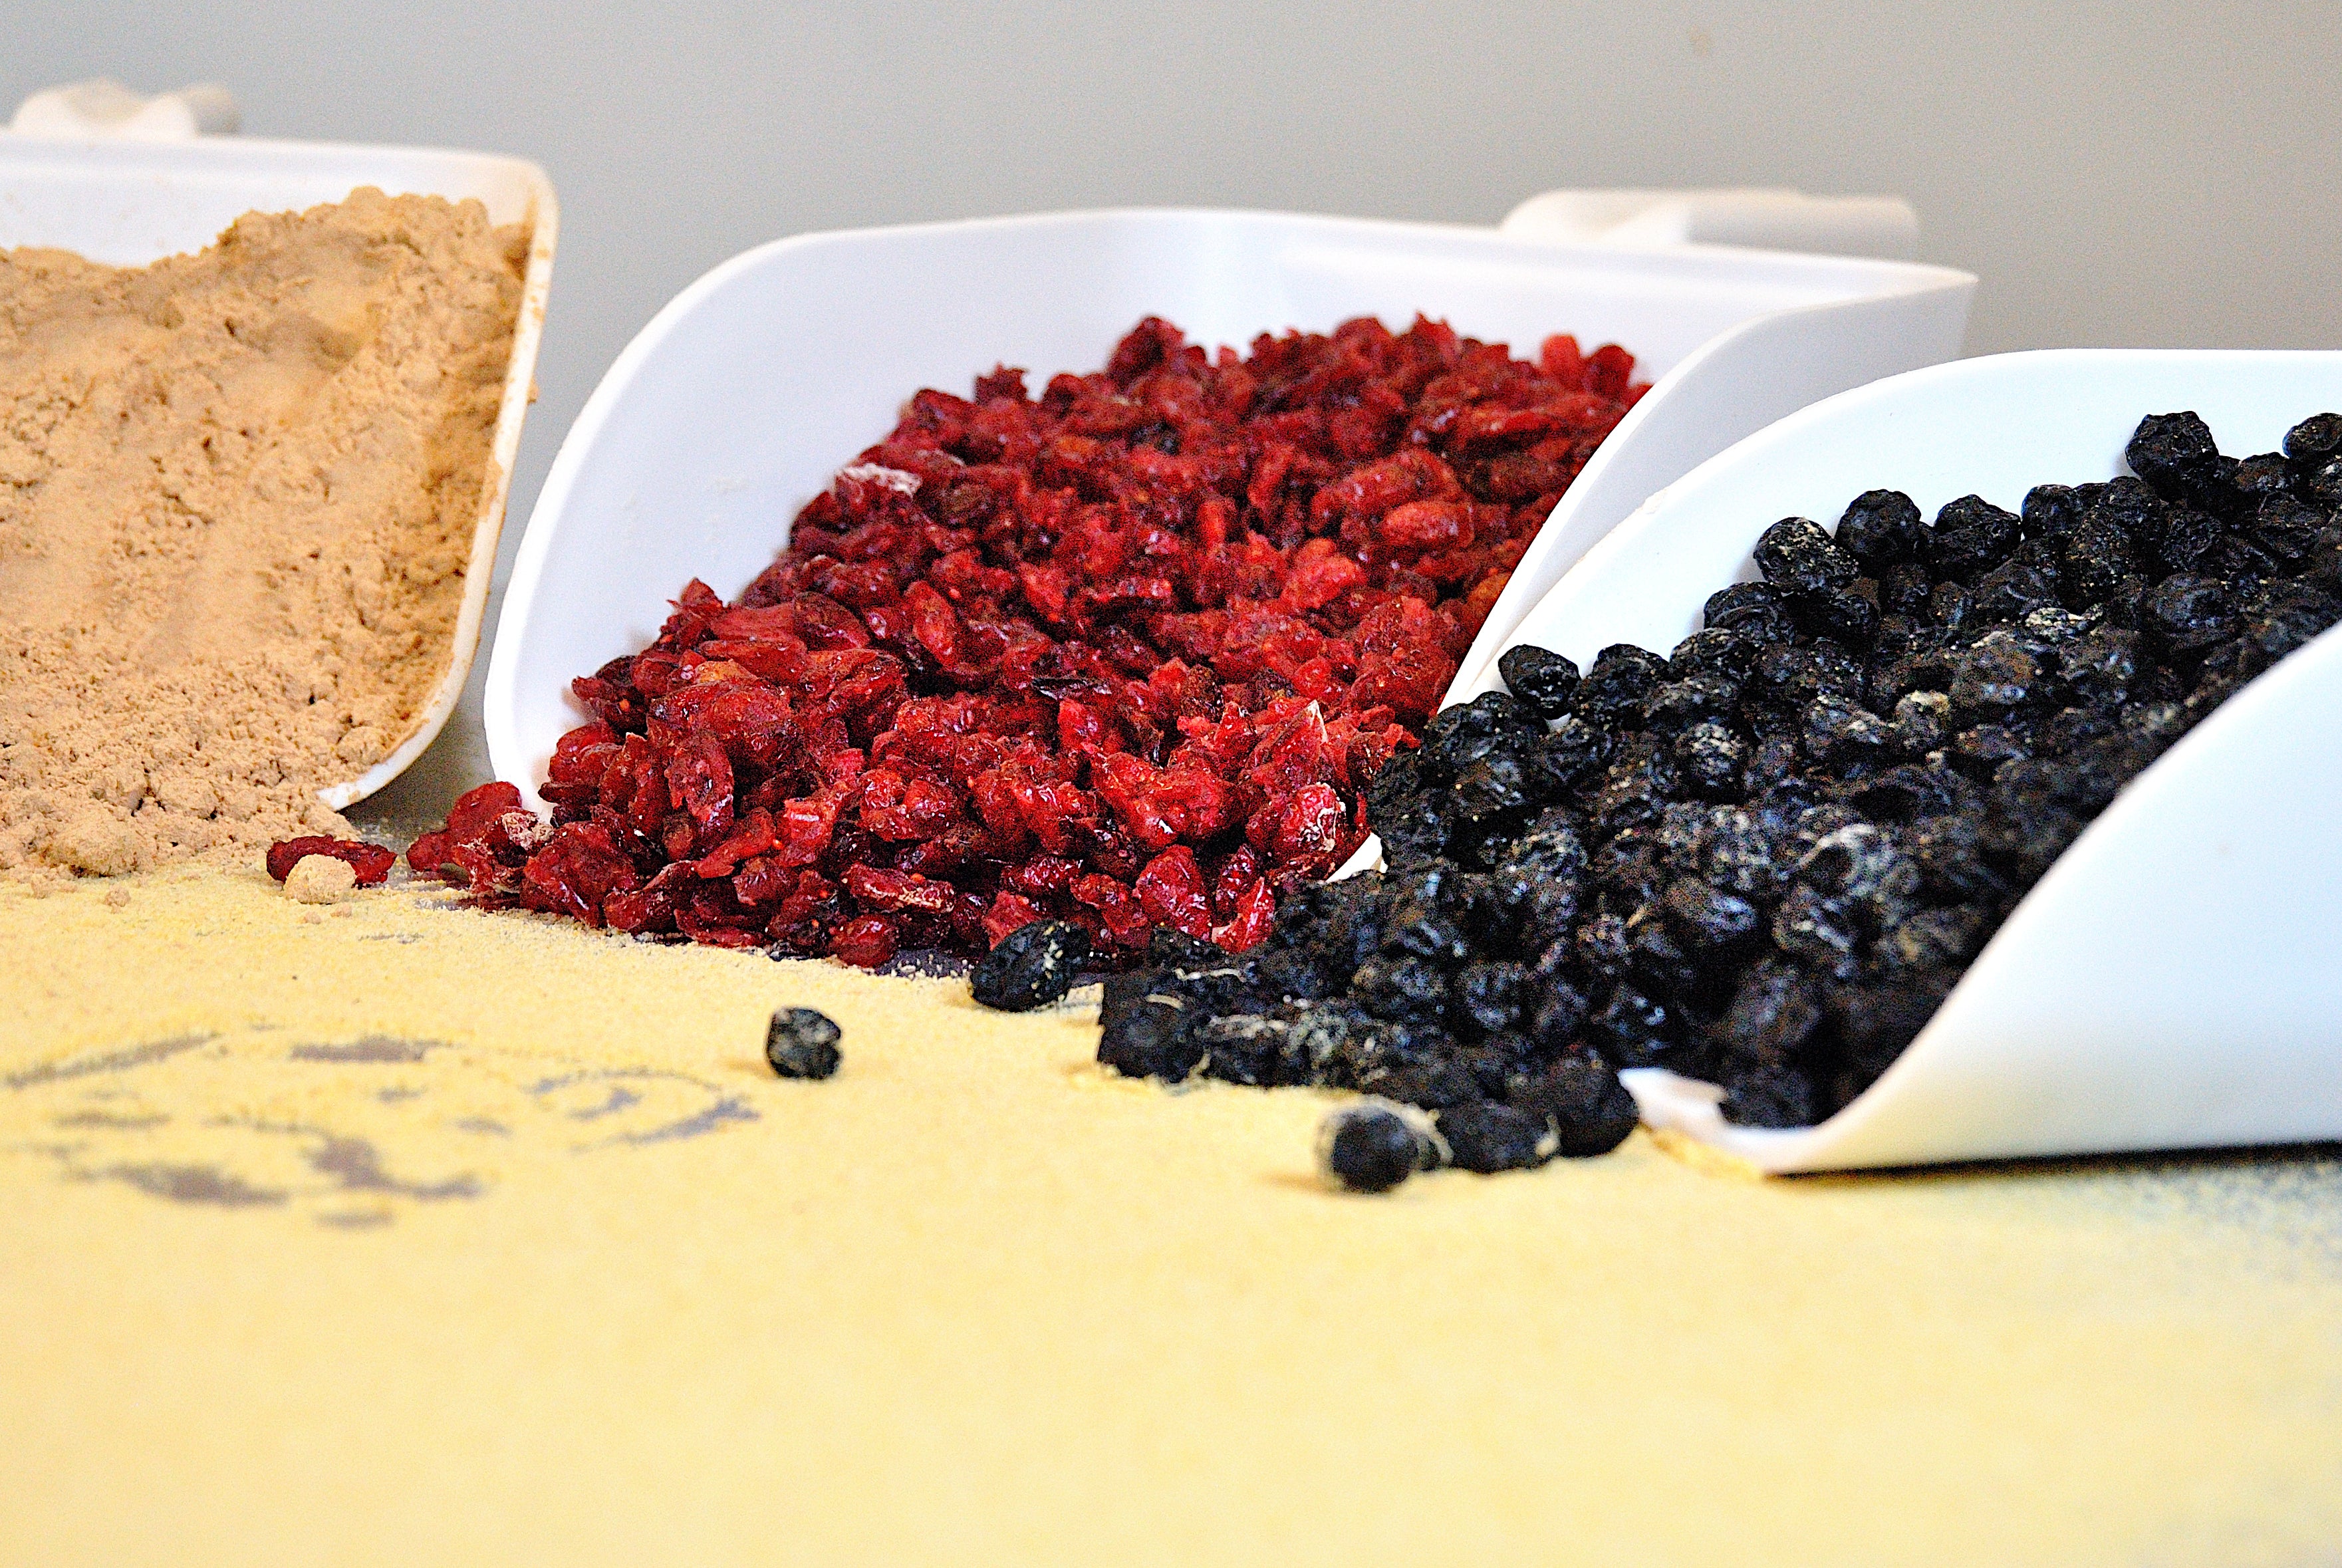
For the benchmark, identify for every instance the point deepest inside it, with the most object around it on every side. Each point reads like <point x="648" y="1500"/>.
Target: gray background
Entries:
<point x="2150" y="174"/>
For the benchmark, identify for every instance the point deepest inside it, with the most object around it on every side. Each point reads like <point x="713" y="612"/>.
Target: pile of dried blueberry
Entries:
<point x="1764" y="859"/>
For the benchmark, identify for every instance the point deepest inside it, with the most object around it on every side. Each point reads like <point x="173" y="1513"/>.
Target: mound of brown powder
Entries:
<point x="237" y="494"/>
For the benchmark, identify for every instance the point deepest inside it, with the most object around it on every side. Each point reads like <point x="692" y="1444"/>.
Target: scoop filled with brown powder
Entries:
<point x="237" y="494"/>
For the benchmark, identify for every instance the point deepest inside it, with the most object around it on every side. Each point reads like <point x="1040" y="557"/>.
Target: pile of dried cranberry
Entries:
<point x="1126" y="655"/>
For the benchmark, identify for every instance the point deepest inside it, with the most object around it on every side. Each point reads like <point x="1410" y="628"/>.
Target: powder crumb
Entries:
<point x="1704" y="1157"/>
<point x="117" y="898"/>
<point x="237" y="496"/>
<point x="320" y="879"/>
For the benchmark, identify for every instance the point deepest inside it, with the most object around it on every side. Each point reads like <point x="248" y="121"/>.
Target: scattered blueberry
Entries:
<point x="1370" y="1148"/>
<point x="1486" y="1136"/>
<point x="1033" y="964"/>
<point x="801" y="1043"/>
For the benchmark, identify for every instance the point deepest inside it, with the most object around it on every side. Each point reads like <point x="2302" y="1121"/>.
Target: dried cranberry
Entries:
<point x="370" y="861"/>
<point x="1126" y="655"/>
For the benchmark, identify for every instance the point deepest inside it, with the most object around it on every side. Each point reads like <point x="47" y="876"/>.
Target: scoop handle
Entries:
<point x="1760" y="218"/>
<point x="104" y="110"/>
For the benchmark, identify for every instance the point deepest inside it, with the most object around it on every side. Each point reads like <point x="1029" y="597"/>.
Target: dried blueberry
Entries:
<point x="1740" y="868"/>
<point x="1459" y="737"/>
<point x="1750" y="609"/>
<point x="1841" y="733"/>
<point x="1419" y="928"/>
<point x="1581" y="1099"/>
<point x="1816" y="930"/>
<point x="1767" y="1096"/>
<point x="1038" y="962"/>
<point x="1710" y="922"/>
<point x="1714" y="652"/>
<point x="1632" y="1029"/>
<point x="2174" y="453"/>
<point x="1970" y="538"/>
<point x="1367" y="1148"/>
<point x="1574" y="752"/>
<point x="1774" y="1012"/>
<point x="801" y="1043"/>
<point x="1403" y="990"/>
<point x="2190" y="613"/>
<point x="1847" y="616"/>
<point x="1486" y="1137"/>
<point x="1429" y="1082"/>
<point x="1490" y="996"/>
<point x="1148" y="1036"/>
<point x="1797" y="557"/>
<point x="1540" y="678"/>
<point x="2323" y="483"/>
<point x="2316" y="439"/>
<point x="1499" y="785"/>
<point x="1615" y="687"/>
<point x="1709" y="759"/>
<point x="1992" y="680"/>
<point x="1880" y="528"/>
<point x="2288" y="528"/>
<point x="1245" y="1048"/>
<point x="1906" y="590"/>
<point x="2050" y="511"/>
<point x="2026" y="582"/>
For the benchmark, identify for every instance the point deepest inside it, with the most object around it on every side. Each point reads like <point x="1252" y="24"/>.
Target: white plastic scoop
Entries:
<point x="744" y="396"/>
<point x="133" y="194"/>
<point x="2175" y="980"/>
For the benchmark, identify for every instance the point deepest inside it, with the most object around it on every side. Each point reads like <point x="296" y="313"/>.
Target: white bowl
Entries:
<point x="130" y="203"/>
<point x="744" y="396"/>
<point x="2175" y="980"/>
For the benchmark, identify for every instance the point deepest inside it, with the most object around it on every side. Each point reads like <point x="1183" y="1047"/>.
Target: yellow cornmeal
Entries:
<point x="387" y="1233"/>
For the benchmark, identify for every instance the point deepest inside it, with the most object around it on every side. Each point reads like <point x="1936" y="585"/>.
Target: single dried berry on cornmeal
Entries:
<point x="801" y="1043"/>
<point x="371" y="861"/>
<point x="1124" y="653"/>
<point x="1035" y="963"/>
<point x="1367" y="1148"/>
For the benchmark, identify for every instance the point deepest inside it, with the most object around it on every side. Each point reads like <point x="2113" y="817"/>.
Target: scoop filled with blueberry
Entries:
<point x="1750" y="864"/>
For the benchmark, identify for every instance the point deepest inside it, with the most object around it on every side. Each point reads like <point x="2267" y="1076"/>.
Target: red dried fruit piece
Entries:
<point x="574" y="871"/>
<point x="1121" y="919"/>
<point x="370" y="861"/>
<point x="1255" y="918"/>
<point x="1171" y="891"/>
<point x="478" y="809"/>
<point x="1007" y="911"/>
<point x="895" y="891"/>
<point x="865" y="942"/>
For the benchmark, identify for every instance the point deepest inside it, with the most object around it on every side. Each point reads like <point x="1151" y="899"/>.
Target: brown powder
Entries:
<point x="238" y="495"/>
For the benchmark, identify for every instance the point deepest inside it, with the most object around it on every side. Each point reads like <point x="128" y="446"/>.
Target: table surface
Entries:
<point x="399" y="1232"/>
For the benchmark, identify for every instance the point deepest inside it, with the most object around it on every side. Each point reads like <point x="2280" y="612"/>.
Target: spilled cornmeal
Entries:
<point x="515" y="1250"/>
<point x="237" y="497"/>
